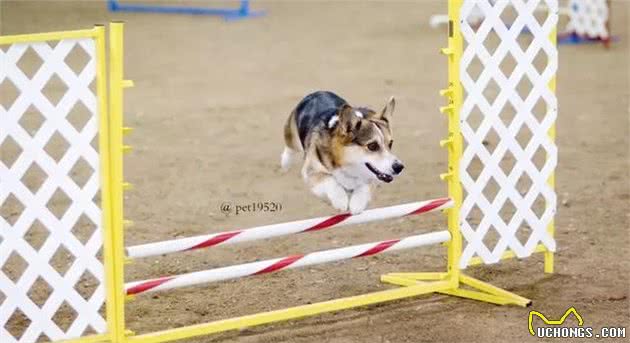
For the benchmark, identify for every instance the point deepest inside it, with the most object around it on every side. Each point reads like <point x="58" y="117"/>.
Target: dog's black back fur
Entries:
<point x="314" y="110"/>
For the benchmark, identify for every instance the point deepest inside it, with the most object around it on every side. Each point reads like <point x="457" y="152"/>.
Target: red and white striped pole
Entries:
<point x="275" y="230"/>
<point x="289" y="262"/>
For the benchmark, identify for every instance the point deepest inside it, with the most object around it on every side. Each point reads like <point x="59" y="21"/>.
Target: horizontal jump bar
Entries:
<point x="289" y="262"/>
<point x="282" y="229"/>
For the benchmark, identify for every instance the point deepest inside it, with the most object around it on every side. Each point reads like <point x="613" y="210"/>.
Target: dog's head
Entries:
<point x="362" y="143"/>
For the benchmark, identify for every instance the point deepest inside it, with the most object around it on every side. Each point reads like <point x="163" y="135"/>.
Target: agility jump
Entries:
<point x="282" y="229"/>
<point x="465" y="240"/>
<point x="241" y="12"/>
<point x="289" y="262"/>
<point x="588" y="21"/>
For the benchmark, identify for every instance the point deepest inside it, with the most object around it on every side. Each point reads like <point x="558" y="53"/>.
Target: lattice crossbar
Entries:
<point x="54" y="288"/>
<point x="493" y="43"/>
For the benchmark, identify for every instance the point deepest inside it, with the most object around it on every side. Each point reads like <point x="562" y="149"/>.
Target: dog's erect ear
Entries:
<point x="388" y="110"/>
<point x="345" y="112"/>
<point x="348" y="119"/>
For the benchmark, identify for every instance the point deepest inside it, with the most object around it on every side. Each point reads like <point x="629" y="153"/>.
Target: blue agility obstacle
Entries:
<point x="242" y="12"/>
<point x="575" y="39"/>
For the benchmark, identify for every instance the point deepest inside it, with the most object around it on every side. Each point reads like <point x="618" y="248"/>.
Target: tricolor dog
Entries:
<point x="346" y="149"/>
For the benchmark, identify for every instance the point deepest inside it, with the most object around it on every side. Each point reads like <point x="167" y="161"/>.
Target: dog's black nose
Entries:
<point x="397" y="167"/>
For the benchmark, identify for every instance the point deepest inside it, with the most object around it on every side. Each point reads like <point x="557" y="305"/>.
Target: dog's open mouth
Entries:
<point x="379" y="175"/>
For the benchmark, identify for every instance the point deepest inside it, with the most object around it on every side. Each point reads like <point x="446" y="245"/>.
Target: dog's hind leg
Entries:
<point x="292" y="144"/>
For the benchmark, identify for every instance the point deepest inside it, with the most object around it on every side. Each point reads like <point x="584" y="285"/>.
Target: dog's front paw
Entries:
<point x="357" y="207"/>
<point x="339" y="201"/>
<point x="331" y="191"/>
<point x="359" y="200"/>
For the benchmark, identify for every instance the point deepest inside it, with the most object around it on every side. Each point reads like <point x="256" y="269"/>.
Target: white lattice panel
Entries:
<point x="588" y="18"/>
<point x="51" y="278"/>
<point x="507" y="112"/>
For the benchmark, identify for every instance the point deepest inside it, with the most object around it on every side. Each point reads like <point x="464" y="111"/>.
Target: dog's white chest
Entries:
<point x="347" y="180"/>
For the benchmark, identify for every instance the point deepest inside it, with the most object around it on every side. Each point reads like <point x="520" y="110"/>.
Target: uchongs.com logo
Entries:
<point x="555" y="330"/>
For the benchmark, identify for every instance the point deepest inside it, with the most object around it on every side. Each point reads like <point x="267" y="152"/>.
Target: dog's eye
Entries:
<point x="373" y="146"/>
<point x="391" y="143"/>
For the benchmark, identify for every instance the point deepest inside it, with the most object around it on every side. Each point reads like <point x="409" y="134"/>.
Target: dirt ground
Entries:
<point x="208" y="106"/>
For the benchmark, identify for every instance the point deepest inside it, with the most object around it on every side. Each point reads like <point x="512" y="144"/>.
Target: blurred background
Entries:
<point x="211" y="97"/>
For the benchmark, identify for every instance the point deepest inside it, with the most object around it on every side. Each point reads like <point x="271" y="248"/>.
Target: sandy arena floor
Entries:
<point x="208" y="108"/>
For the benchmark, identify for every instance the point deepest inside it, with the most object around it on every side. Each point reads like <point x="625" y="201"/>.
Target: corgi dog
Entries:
<point x="346" y="149"/>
